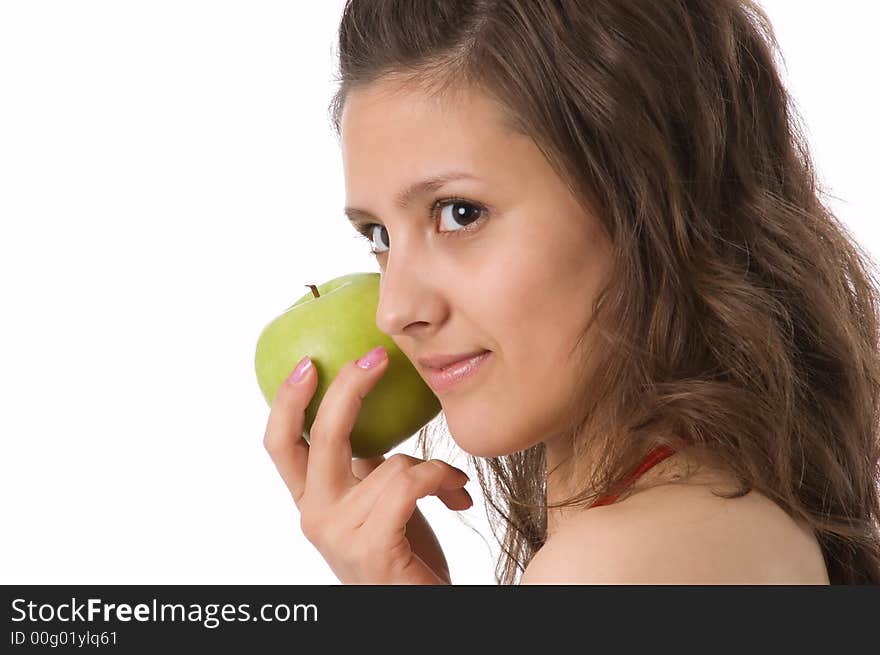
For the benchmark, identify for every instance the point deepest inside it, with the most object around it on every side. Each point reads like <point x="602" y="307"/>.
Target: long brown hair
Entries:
<point x="740" y="317"/>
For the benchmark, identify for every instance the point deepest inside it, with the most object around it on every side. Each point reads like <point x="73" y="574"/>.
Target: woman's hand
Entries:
<point x="359" y="526"/>
<point x="421" y="537"/>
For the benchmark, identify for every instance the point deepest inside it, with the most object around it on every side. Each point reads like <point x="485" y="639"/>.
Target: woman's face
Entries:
<point x="518" y="282"/>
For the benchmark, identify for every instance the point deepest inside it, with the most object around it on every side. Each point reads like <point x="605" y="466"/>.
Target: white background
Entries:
<point x="169" y="182"/>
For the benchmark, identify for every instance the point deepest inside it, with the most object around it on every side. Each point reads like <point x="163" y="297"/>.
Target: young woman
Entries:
<point x="612" y="204"/>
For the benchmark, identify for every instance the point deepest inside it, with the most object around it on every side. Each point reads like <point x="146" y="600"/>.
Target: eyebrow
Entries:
<point x="403" y="199"/>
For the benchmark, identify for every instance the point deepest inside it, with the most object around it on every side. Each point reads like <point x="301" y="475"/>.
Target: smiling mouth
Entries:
<point x="444" y="379"/>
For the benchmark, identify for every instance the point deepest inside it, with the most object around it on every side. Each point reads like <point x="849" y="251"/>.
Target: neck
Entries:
<point x="564" y="481"/>
<point x="558" y="462"/>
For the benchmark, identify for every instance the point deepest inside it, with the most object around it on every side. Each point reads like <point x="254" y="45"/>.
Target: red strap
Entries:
<point x="654" y="457"/>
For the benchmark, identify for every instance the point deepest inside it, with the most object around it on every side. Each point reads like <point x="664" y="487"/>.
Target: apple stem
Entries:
<point x="314" y="290"/>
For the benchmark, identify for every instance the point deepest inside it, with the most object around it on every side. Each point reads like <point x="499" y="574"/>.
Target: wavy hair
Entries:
<point x="741" y="315"/>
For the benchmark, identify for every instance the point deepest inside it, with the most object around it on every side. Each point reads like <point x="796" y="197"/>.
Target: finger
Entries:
<point x="374" y="482"/>
<point x="377" y="479"/>
<point x="397" y="502"/>
<point x="330" y="457"/>
<point x="372" y="487"/>
<point x="362" y="467"/>
<point x="283" y="439"/>
<point x="456" y="499"/>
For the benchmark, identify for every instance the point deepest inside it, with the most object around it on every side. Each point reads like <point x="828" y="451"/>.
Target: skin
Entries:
<point x="519" y="284"/>
<point x="681" y="534"/>
<point x="361" y="526"/>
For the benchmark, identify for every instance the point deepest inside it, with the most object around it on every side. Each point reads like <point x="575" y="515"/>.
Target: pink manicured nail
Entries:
<point x="372" y="358"/>
<point x="300" y="371"/>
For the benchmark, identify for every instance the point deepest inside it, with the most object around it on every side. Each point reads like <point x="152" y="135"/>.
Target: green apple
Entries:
<point x="334" y="323"/>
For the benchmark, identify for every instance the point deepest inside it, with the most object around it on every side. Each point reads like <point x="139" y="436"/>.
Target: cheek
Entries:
<point x="536" y="304"/>
<point x="523" y="284"/>
<point x="539" y="313"/>
<point x="516" y="407"/>
<point x="545" y="276"/>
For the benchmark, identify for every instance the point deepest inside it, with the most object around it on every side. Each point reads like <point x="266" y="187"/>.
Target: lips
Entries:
<point x="444" y="379"/>
<point x="443" y="361"/>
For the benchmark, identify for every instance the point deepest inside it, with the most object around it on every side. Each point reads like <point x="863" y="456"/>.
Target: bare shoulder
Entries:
<point x="680" y="534"/>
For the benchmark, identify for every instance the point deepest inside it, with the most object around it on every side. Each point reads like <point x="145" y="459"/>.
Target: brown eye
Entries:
<point x="460" y="214"/>
<point x="383" y="236"/>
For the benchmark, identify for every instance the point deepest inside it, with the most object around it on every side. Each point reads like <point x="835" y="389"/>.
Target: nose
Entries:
<point x="409" y="303"/>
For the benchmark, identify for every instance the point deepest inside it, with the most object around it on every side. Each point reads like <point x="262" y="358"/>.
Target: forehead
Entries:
<point x="387" y="129"/>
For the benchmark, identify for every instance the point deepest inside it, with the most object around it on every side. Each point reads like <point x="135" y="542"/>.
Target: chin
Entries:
<point x="488" y="453"/>
<point x="479" y="443"/>
<point x="483" y="433"/>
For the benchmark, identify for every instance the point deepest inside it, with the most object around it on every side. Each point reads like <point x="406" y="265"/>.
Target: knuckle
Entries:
<point x="270" y="443"/>
<point x="439" y="464"/>
<point x="313" y="528"/>
<point x="307" y="525"/>
<point x="440" y="467"/>
<point x="398" y="462"/>
<point x="407" y="482"/>
<point x="446" y="468"/>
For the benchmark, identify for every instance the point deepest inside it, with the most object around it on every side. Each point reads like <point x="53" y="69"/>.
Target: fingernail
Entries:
<point x="372" y="358"/>
<point x="300" y="371"/>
